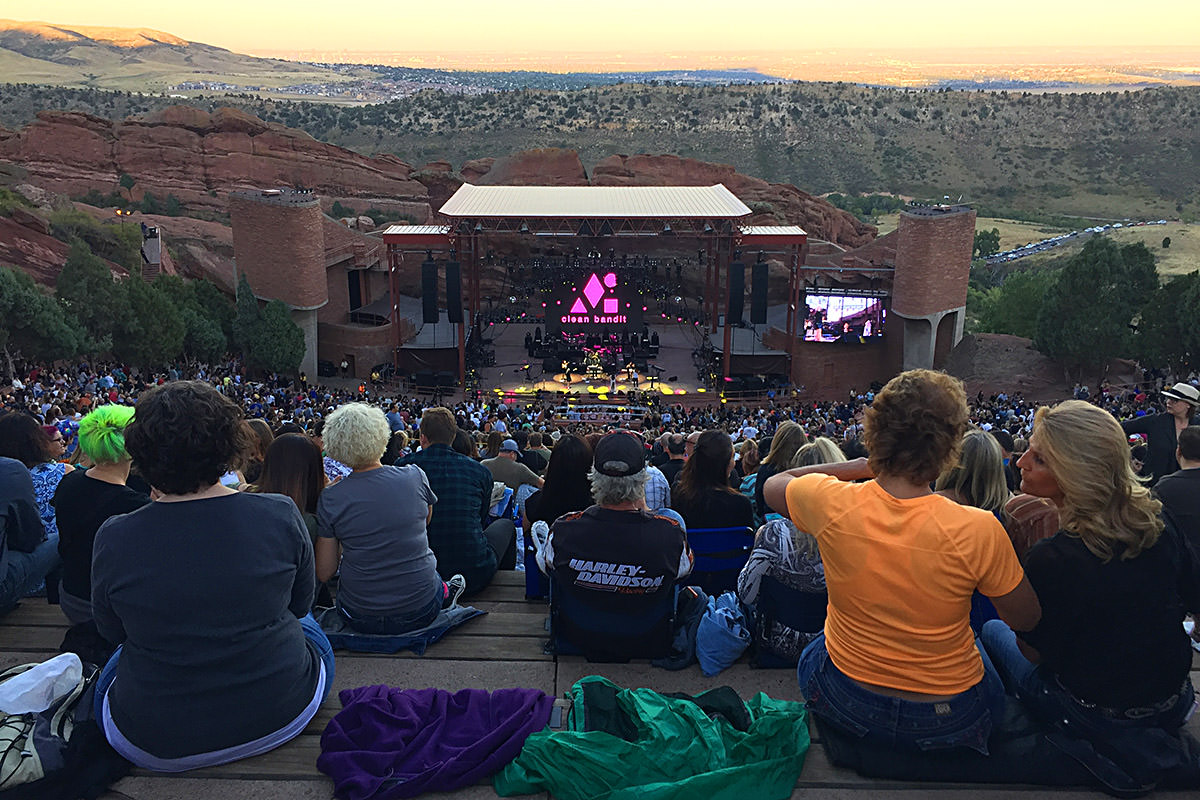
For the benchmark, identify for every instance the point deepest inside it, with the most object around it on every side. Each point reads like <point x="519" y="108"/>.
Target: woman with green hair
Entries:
<point x="86" y="499"/>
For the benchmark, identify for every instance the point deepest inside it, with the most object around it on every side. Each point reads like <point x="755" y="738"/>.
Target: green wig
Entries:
<point x="102" y="433"/>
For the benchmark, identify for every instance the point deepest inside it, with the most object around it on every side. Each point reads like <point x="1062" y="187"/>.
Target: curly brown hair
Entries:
<point x="185" y="435"/>
<point x="914" y="427"/>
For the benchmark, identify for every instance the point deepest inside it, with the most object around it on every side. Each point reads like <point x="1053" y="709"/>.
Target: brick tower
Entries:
<point x="929" y="289"/>
<point x="278" y="244"/>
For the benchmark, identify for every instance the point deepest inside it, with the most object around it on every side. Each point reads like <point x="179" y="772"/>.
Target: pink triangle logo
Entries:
<point x="578" y="307"/>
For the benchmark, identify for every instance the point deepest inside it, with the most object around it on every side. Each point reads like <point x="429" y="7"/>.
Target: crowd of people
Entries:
<point x="950" y="553"/>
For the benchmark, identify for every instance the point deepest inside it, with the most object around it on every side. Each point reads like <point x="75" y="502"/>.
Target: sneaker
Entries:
<point x="457" y="585"/>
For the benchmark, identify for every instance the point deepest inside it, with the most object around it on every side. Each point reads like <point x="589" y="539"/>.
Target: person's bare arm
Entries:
<point x="1020" y="607"/>
<point x="775" y="490"/>
<point x="327" y="554"/>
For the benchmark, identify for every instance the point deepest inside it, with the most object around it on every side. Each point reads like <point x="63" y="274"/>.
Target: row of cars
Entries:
<point x="1054" y="241"/>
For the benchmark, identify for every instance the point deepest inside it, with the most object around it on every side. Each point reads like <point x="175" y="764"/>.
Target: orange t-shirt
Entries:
<point x="900" y="575"/>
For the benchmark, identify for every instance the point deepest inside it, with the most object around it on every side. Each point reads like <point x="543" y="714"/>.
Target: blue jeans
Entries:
<point x="26" y="570"/>
<point x="391" y="626"/>
<point x="963" y="721"/>
<point x="312" y="632"/>
<point x="1049" y="701"/>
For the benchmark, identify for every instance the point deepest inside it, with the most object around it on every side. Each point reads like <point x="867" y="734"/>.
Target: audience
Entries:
<point x="791" y="557"/>
<point x="1163" y="430"/>
<point x="457" y="534"/>
<point x="207" y="590"/>
<point x="23" y="439"/>
<point x="86" y="499"/>
<point x="567" y="487"/>
<point x="897" y="663"/>
<point x="374" y="519"/>
<point x="26" y="553"/>
<point x="788" y="438"/>
<point x="506" y="469"/>
<point x="702" y="494"/>
<point x="1113" y="584"/>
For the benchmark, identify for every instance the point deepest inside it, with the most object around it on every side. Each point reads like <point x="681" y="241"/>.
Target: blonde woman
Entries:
<point x="978" y="477"/>
<point x="1113" y="584"/>
<point x="792" y="558"/>
<point x="789" y="437"/>
<point x="977" y="480"/>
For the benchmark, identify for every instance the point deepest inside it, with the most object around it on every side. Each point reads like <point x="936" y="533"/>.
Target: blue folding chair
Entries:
<point x="720" y="555"/>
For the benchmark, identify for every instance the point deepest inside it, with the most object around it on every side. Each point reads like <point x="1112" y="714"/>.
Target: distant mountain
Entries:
<point x="137" y="59"/>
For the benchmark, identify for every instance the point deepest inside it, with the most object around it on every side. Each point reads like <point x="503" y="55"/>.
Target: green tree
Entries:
<point x="247" y="317"/>
<point x="33" y="322"/>
<point x="89" y="294"/>
<point x="126" y="180"/>
<point x="1013" y="307"/>
<point x="204" y="339"/>
<point x="150" y="204"/>
<point x="987" y="243"/>
<point x="1085" y="319"/>
<point x="279" y="343"/>
<point x="1166" y="242"/>
<point x="152" y="332"/>
<point x="1166" y="333"/>
<point x="215" y="304"/>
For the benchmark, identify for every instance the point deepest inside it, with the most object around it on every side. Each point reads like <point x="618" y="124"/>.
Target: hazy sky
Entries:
<point x="630" y="27"/>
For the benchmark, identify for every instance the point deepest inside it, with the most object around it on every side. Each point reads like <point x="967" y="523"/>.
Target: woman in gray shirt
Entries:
<point x="375" y="519"/>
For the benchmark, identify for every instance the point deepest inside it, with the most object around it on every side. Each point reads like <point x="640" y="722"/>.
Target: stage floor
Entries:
<point x="678" y="376"/>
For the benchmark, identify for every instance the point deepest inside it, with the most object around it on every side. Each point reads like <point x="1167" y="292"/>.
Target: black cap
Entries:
<point x="620" y="454"/>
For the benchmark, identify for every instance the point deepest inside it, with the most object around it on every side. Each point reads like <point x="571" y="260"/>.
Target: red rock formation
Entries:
<point x="196" y="156"/>
<point x="550" y="166"/>
<point x="39" y="255"/>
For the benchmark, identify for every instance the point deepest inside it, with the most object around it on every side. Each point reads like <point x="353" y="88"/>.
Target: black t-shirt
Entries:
<point x="714" y="509"/>
<point x="82" y="505"/>
<point x="547" y="505"/>
<point x="1111" y="631"/>
<point x="760" y="503"/>
<point x="1180" y="495"/>
<point x="671" y="469"/>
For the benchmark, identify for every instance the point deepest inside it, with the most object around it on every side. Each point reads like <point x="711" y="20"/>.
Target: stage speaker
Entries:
<point x="758" y="294"/>
<point x="429" y="292"/>
<point x="454" y="304"/>
<point x="737" y="293"/>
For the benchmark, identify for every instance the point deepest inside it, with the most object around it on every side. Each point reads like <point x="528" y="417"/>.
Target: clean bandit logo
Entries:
<point x="598" y="303"/>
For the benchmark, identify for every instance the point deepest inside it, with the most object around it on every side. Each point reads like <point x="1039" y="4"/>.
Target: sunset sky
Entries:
<point x="629" y="27"/>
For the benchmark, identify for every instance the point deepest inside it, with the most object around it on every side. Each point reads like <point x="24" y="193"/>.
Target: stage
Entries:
<point x="673" y="367"/>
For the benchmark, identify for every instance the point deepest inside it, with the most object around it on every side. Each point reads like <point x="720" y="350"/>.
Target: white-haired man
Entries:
<point x="616" y="558"/>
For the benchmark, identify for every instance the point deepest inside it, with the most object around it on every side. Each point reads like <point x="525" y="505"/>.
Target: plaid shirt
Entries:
<point x="658" y="491"/>
<point x="464" y="491"/>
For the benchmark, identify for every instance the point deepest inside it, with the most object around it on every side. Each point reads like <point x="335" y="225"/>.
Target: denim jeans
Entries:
<point x="963" y="721"/>
<point x="1049" y="701"/>
<point x="391" y="626"/>
<point x="26" y="570"/>
<point x="312" y="632"/>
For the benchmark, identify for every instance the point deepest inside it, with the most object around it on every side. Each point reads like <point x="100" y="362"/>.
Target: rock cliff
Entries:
<point x="196" y="156"/>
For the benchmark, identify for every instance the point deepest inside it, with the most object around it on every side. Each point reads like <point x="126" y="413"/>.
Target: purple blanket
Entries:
<point x="389" y="743"/>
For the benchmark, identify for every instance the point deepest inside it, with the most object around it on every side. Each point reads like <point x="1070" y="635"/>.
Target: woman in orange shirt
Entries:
<point x="898" y="664"/>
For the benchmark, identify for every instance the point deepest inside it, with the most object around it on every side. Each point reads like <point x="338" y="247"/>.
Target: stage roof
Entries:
<point x="594" y="202"/>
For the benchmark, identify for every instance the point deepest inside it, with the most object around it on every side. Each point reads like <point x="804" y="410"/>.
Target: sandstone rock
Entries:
<point x="35" y="222"/>
<point x="196" y="156"/>
<point x="364" y="224"/>
<point x="474" y="170"/>
<point x="438" y="166"/>
<point x="36" y="253"/>
<point x="550" y="166"/>
<point x="996" y="362"/>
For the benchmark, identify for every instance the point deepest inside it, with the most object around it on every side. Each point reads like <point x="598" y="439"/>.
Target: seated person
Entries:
<point x="567" y="487"/>
<point x="26" y="555"/>
<point x="85" y="500"/>
<point x="208" y="590"/>
<point x="1113" y="583"/>
<point x="508" y="470"/>
<point x="616" y="557"/>
<point x="376" y="518"/>
<point x="792" y="558"/>
<point x="456" y="533"/>
<point x="702" y="494"/>
<point x="897" y="664"/>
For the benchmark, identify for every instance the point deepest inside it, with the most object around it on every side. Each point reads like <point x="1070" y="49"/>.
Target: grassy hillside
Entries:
<point x="1110" y="155"/>
<point x="135" y="60"/>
